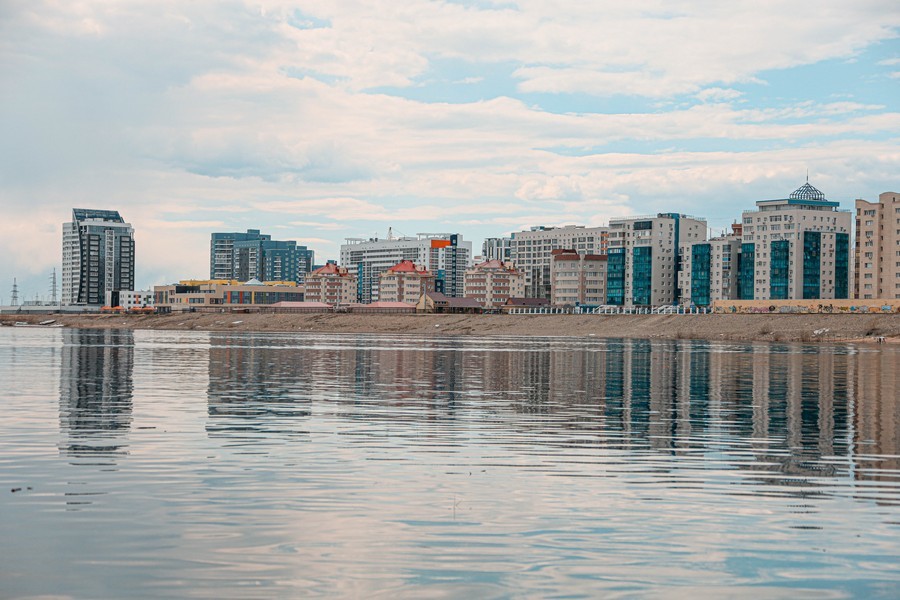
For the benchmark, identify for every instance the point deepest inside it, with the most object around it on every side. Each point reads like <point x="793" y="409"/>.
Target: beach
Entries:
<point x="737" y="327"/>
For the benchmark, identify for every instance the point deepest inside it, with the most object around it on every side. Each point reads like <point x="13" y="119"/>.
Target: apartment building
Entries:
<point x="445" y="255"/>
<point x="644" y="258"/>
<point x="532" y="251"/>
<point x="331" y="284"/>
<point x="255" y="255"/>
<point x="496" y="248"/>
<point x="577" y="279"/>
<point x="405" y="282"/>
<point x="493" y="282"/>
<point x="709" y="270"/>
<point x="795" y="248"/>
<point x="97" y="256"/>
<point x="877" y="255"/>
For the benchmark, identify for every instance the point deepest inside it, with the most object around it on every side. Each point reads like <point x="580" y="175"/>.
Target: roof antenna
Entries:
<point x="807" y="174"/>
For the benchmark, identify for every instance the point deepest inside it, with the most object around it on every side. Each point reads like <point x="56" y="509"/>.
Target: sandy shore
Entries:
<point x="810" y="327"/>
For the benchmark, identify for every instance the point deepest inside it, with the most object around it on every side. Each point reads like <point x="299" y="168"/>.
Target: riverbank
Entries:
<point x="737" y="327"/>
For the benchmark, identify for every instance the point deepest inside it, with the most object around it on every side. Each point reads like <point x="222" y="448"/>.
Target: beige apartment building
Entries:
<point x="878" y="247"/>
<point x="577" y="279"/>
<point x="494" y="282"/>
<point x="531" y="251"/>
<point x="796" y="248"/>
<point x="331" y="284"/>
<point x="405" y="282"/>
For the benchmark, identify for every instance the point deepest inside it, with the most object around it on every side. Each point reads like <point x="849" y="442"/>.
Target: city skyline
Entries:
<point x="316" y="123"/>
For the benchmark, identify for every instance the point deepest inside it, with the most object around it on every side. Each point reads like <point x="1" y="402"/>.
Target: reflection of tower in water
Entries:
<point x="95" y="390"/>
<point x="255" y="387"/>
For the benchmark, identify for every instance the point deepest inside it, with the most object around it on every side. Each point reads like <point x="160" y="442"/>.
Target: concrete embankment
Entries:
<point x="747" y="327"/>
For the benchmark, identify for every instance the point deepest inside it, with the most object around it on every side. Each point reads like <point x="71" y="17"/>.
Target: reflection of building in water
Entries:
<point x="95" y="390"/>
<point x="256" y="385"/>
<point x="877" y="410"/>
<point x="780" y="409"/>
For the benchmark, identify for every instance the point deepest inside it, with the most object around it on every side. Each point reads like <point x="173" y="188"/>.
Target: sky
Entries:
<point x="321" y="120"/>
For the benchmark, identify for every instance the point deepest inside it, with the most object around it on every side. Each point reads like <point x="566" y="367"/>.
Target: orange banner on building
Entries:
<point x="440" y="243"/>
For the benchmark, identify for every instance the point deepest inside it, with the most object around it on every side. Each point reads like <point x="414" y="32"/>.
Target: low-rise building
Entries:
<point x="193" y="294"/>
<point x="129" y="299"/>
<point x="436" y="302"/>
<point x="578" y="279"/>
<point x="331" y="284"/>
<point x="405" y="282"/>
<point x="709" y="269"/>
<point x="493" y="282"/>
<point x="519" y="304"/>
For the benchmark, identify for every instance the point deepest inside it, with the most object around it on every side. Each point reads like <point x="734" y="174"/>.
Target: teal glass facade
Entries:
<point x="700" y="274"/>
<point x="746" y="271"/>
<point x="642" y="281"/>
<point x="779" y="270"/>
<point x="615" y="277"/>
<point x="812" y="259"/>
<point x="842" y="265"/>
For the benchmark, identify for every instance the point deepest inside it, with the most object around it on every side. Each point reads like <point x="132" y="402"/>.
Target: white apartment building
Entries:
<point x="644" y="258"/>
<point x="445" y="255"/>
<point x="496" y="248"/>
<point x="709" y="270"/>
<point x="576" y="279"/>
<point x="531" y="252"/>
<point x="97" y="256"/>
<point x="878" y="247"/>
<point x="796" y="248"/>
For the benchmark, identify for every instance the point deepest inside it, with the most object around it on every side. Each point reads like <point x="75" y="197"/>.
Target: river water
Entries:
<point x="225" y="465"/>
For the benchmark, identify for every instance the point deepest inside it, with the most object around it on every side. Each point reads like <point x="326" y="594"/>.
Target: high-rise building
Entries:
<point x="98" y="256"/>
<point x="255" y="255"/>
<point x="645" y="258"/>
<point x="709" y="270"/>
<point x="796" y="248"/>
<point x="578" y="279"/>
<point x="496" y="248"/>
<point x="531" y="251"/>
<point x="878" y="247"/>
<point x="445" y="255"/>
<point x="494" y="282"/>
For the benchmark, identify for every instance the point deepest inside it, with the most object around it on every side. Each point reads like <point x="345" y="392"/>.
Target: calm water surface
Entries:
<point x="218" y="465"/>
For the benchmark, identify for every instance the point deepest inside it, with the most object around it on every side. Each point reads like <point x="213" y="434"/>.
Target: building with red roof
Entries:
<point x="331" y="284"/>
<point x="493" y="282"/>
<point x="405" y="282"/>
<point x="577" y="279"/>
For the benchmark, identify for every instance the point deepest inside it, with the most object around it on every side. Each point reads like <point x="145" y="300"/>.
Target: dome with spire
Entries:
<point x="807" y="192"/>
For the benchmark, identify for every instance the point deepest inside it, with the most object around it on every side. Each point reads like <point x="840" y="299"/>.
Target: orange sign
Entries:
<point x="440" y="243"/>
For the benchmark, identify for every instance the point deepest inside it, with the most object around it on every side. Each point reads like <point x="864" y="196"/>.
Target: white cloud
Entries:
<point x="192" y="117"/>
<point x="716" y="94"/>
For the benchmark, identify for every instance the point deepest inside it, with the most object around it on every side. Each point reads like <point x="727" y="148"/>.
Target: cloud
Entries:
<point x="716" y="94"/>
<point x="351" y="116"/>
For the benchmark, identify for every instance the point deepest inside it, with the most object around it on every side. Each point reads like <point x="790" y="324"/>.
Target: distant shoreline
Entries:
<point x="734" y="327"/>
